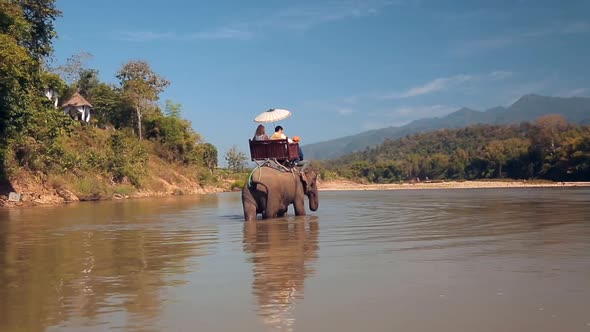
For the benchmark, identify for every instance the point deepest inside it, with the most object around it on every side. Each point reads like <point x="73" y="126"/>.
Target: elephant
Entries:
<point x="271" y="190"/>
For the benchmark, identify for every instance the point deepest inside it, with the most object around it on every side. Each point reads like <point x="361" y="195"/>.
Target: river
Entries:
<point x="424" y="260"/>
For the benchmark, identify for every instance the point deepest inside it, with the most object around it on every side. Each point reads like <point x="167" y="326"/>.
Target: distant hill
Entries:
<point x="527" y="108"/>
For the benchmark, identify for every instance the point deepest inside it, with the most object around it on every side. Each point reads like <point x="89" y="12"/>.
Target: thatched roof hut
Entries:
<point x="76" y="100"/>
<point x="77" y="107"/>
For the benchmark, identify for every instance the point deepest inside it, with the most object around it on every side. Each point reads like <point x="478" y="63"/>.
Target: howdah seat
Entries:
<point x="279" y="149"/>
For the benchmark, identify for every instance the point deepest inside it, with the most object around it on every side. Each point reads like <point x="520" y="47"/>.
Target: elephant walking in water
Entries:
<point x="271" y="190"/>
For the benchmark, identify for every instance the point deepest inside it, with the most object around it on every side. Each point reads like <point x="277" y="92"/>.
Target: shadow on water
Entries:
<point x="233" y="217"/>
<point x="282" y="253"/>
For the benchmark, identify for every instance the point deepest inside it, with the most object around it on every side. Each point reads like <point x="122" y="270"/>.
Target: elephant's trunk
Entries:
<point x="314" y="201"/>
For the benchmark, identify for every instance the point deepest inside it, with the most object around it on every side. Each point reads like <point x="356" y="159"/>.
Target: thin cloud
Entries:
<point x="484" y="45"/>
<point x="150" y="36"/>
<point x="499" y="42"/>
<point x="145" y="36"/>
<point x="405" y="114"/>
<point x="372" y="125"/>
<point x="292" y="18"/>
<point x="344" y="111"/>
<point x="435" y="85"/>
<point x="304" y="18"/>
<point x="441" y="84"/>
<point x="578" y="92"/>
<point x="223" y="33"/>
<point x="347" y="105"/>
<point x="500" y="74"/>
<point x="542" y="87"/>
<point x="576" y="27"/>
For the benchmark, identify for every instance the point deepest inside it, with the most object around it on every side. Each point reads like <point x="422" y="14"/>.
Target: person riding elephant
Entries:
<point x="271" y="190"/>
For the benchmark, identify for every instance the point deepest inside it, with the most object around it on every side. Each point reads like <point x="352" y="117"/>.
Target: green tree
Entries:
<point x="457" y="163"/>
<point x="173" y="110"/>
<point x="16" y="75"/>
<point x="495" y="153"/>
<point x="109" y="107"/>
<point x="26" y="32"/>
<point x="208" y="154"/>
<point x="40" y="15"/>
<point x="173" y="133"/>
<point x="128" y="158"/>
<point x="236" y="160"/>
<point x="141" y="87"/>
<point x="87" y="81"/>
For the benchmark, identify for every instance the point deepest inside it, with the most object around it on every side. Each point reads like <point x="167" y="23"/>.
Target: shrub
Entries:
<point x="91" y="188"/>
<point x="128" y="158"/>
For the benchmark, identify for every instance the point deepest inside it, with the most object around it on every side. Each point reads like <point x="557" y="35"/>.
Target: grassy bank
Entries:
<point x="96" y="164"/>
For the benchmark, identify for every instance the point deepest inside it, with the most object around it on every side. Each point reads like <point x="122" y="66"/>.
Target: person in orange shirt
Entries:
<point x="296" y="139"/>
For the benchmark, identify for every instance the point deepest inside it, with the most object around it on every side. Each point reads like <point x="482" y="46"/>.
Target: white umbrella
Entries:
<point x="273" y="115"/>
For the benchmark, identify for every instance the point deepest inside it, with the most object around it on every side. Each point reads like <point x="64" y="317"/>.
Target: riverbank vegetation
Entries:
<point x="130" y="143"/>
<point x="549" y="148"/>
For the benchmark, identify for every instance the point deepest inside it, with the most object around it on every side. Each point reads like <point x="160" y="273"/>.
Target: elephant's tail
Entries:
<point x="255" y="195"/>
<point x="251" y="181"/>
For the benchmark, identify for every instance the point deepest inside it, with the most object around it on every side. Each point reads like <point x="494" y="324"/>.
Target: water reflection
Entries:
<point x="95" y="263"/>
<point x="282" y="254"/>
<point x="468" y="260"/>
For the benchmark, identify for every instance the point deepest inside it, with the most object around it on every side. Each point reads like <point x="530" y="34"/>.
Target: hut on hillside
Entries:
<point x="77" y="107"/>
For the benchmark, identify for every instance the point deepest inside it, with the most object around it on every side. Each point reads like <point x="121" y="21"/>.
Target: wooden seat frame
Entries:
<point x="279" y="149"/>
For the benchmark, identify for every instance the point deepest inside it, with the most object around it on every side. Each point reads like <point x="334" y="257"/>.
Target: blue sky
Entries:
<point x="341" y="67"/>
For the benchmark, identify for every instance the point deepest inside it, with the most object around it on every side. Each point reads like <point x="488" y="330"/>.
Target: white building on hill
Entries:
<point x="51" y="94"/>
<point x="78" y="108"/>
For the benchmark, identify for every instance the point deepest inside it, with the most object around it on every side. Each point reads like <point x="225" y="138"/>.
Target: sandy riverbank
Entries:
<point x="62" y="196"/>
<point x="46" y="196"/>
<point x="348" y="185"/>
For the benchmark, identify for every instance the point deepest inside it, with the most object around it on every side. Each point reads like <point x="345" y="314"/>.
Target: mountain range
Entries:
<point x="527" y="108"/>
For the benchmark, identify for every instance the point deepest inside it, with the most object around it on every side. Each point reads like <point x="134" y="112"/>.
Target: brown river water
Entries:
<point x="427" y="260"/>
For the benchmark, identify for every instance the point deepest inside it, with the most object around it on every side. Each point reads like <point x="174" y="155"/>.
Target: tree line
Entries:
<point x="127" y="126"/>
<point x="548" y="148"/>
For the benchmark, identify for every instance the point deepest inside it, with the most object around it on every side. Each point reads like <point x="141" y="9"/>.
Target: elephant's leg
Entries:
<point x="261" y="204"/>
<point x="272" y="207"/>
<point x="299" y="206"/>
<point x="271" y="214"/>
<point x="249" y="211"/>
<point x="249" y="205"/>
<point x="282" y="211"/>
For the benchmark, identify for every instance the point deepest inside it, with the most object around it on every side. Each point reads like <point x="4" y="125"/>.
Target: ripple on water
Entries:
<point x="466" y="259"/>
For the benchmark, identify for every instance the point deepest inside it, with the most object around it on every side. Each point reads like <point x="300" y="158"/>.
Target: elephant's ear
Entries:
<point x="303" y="177"/>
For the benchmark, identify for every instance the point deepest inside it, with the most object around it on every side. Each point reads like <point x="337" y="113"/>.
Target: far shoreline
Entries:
<point x="52" y="197"/>
<point x="344" y="185"/>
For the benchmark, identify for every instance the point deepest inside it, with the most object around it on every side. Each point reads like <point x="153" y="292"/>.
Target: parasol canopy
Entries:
<point x="273" y="115"/>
